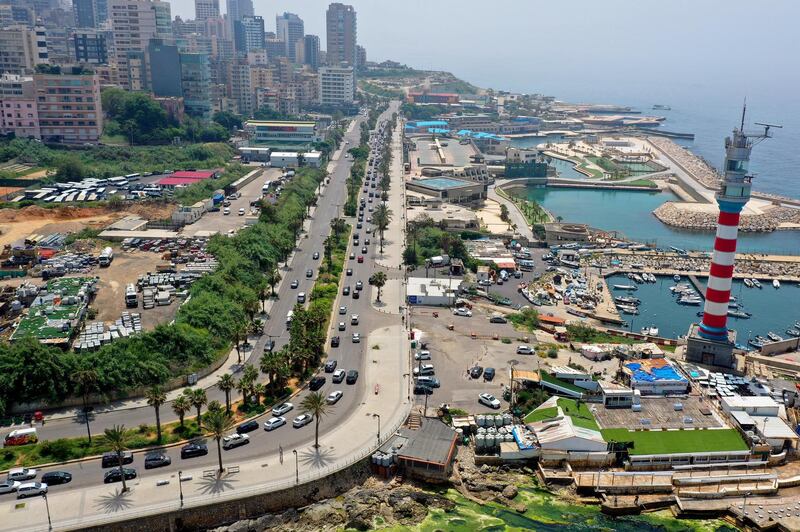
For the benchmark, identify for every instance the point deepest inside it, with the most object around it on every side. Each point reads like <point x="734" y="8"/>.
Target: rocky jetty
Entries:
<point x="673" y="215"/>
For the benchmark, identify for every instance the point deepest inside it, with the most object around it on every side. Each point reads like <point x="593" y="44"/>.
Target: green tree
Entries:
<point x="86" y="382"/>
<point x="218" y="422"/>
<point x="117" y="439"/>
<point x="381" y="218"/>
<point x="338" y="225"/>
<point x="273" y="278"/>
<point x="156" y="397"/>
<point x="181" y="406"/>
<point x="226" y="384"/>
<point x="227" y="120"/>
<point x="315" y="405"/>
<point x="378" y="280"/>
<point x="197" y="397"/>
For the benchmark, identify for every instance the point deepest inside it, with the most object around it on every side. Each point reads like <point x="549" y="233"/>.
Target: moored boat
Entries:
<point x="776" y="283"/>
<point x="748" y="283"/>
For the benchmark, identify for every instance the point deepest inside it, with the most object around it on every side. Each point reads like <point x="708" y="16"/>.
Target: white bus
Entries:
<point x="133" y="177"/>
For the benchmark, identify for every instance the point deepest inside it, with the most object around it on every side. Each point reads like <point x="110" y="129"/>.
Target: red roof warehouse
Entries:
<point x="186" y="178"/>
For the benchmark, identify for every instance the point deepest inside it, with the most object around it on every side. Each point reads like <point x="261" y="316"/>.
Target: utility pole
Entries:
<point x="296" y="468"/>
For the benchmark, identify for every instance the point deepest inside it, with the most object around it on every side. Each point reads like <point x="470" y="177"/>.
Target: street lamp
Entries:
<point x="86" y="410"/>
<point x="378" y="416"/>
<point x="180" y="486"/>
<point x="47" y="505"/>
<point x="408" y="386"/>
<point x="512" y="363"/>
<point x="296" y="468"/>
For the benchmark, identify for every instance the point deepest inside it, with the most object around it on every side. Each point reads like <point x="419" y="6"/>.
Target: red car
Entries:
<point x="360" y="258"/>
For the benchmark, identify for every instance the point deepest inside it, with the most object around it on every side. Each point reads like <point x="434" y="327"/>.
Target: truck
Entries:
<point x="131" y="298"/>
<point x="105" y="258"/>
<point x="21" y="437"/>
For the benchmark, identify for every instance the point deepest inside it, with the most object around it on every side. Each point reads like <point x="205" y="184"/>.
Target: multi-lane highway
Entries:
<point x="348" y="355"/>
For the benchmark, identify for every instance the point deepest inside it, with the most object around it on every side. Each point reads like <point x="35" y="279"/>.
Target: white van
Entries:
<point x="289" y="317"/>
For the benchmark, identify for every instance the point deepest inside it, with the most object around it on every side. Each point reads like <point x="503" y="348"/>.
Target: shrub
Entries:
<point x="59" y="450"/>
<point x="552" y="353"/>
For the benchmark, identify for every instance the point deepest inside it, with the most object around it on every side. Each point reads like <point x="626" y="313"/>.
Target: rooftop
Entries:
<point x="433" y="442"/>
<point x="442" y="183"/>
<point x="280" y="123"/>
<point x="653" y="369"/>
<point x="194" y="174"/>
<point x="646" y="442"/>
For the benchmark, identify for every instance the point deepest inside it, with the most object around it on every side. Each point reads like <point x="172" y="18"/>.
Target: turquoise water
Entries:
<point x="772" y="310"/>
<point x="630" y="213"/>
<point x="529" y="142"/>
<point x="566" y="169"/>
<point x="440" y="183"/>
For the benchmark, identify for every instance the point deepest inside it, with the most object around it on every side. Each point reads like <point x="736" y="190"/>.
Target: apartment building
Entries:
<point x="90" y="47"/>
<point x="68" y="106"/>
<point x="134" y="24"/>
<point x="22" y="48"/>
<point x="336" y="86"/>
<point x="18" y="105"/>
<point x="290" y="29"/>
<point x="341" y="32"/>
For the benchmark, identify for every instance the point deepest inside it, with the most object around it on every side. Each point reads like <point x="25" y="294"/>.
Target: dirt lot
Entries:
<point x="126" y="268"/>
<point x="16" y="224"/>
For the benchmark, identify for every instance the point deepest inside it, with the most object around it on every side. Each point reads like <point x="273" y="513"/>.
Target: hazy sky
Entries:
<point x="569" y="46"/>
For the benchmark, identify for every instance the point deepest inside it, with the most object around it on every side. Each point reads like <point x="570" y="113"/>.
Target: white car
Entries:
<point x="338" y="376"/>
<point x="425" y="369"/>
<point x="342" y="310"/>
<point x="241" y="211"/>
<point x="354" y="319"/>
<point x="282" y="408"/>
<point x="235" y="440"/>
<point x="356" y="338"/>
<point x="8" y="486"/>
<point x="334" y="397"/>
<point x="30" y="489"/>
<point x="485" y="282"/>
<point x="301" y="421"/>
<point x="524" y="350"/>
<point x="422" y="355"/>
<point x="274" y="422"/>
<point x="21" y="473"/>
<point x="462" y="311"/>
<point x="489" y="400"/>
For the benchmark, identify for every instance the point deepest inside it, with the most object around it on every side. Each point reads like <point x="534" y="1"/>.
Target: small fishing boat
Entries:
<point x="628" y="300"/>
<point x="755" y="343"/>
<point x="676" y="277"/>
<point x="756" y="283"/>
<point x="653" y="330"/>
<point x="776" y="283"/>
<point x="625" y="287"/>
<point x="632" y="311"/>
<point x="739" y="314"/>
<point x="748" y="283"/>
<point x="794" y="333"/>
<point x="774" y="337"/>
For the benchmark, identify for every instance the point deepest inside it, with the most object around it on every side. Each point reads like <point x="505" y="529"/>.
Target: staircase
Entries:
<point x="414" y="421"/>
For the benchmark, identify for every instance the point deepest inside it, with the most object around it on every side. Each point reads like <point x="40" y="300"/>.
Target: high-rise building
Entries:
<point x="289" y="28"/>
<point x="69" y="107"/>
<point x="90" y="47"/>
<point x="239" y="8"/>
<point x="22" y="48"/>
<point x="204" y="9"/>
<point x="275" y="48"/>
<point x="17" y="14"/>
<point x="196" y="84"/>
<point x="361" y="56"/>
<point x="134" y="24"/>
<point x="101" y="10"/>
<point x="336" y="86"/>
<point x="311" y="55"/>
<point x="85" y="13"/>
<point x="341" y="32"/>
<point x="239" y="86"/>
<point x="163" y="18"/>
<point x="19" y="109"/>
<point x="165" y="69"/>
<point x="248" y="34"/>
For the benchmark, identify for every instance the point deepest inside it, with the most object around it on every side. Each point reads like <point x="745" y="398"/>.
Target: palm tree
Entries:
<point x="258" y="390"/>
<point x="86" y="383"/>
<point x="381" y="218"/>
<point x="273" y="278"/>
<point x="155" y="398"/>
<point x="226" y="384"/>
<point x="328" y="250"/>
<point x="218" y="422"/>
<point x="181" y="405"/>
<point x="117" y="439"/>
<point x="198" y="398"/>
<point x="315" y="405"/>
<point x="338" y="226"/>
<point x="378" y="280"/>
<point x="246" y="381"/>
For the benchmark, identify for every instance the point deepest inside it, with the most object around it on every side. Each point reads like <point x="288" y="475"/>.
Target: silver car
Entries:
<point x="301" y="421"/>
<point x="8" y="486"/>
<point x="31" y="489"/>
<point x="282" y="408"/>
<point x="274" y="422"/>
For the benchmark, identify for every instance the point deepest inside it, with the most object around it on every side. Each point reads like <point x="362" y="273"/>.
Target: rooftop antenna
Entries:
<point x="744" y="110"/>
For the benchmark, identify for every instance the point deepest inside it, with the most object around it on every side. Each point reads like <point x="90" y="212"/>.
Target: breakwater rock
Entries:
<point x="674" y="215"/>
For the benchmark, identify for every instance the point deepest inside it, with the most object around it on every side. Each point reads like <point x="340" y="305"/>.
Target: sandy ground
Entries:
<point x="489" y="216"/>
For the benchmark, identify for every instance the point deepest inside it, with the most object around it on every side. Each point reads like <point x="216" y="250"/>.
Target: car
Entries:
<point x="498" y="319"/>
<point x="349" y="272"/>
<point x="346" y="291"/>
<point x="115" y="476"/>
<point x="488" y="374"/>
<point x="518" y="274"/>
<point x="7" y="486"/>
<point x="316" y="383"/>
<point x="364" y="249"/>
<point x="193" y="449"/>
<point x="301" y="297"/>
<point x="309" y="273"/>
<point x="152" y="461"/>
<point x="352" y="376"/>
<point x="247" y="426"/>
<point x="462" y="311"/>
<point x="274" y="422"/>
<point x="489" y="400"/>
<point x="356" y="295"/>
<point x="424" y="369"/>
<point x="338" y="376"/>
<point x="226" y="211"/>
<point x="335" y="341"/>
<point x="356" y="236"/>
<point x="485" y="282"/>
<point x="524" y="350"/>
<point x="31" y="489"/>
<point x="475" y="371"/>
<point x="421" y="389"/>
<point x="354" y="319"/>
<point x="342" y="326"/>
<point x="430" y="382"/>
<point x="422" y="355"/>
<point x="330" y="365"/>
<point x="334" y="397"/>
<point x="360" y="259"/>
<point x="235" y="440"/>
<point x="359" y="285"/>
<point x="110" y="459"/>
<point x="359" y="225"/>
<point x="316" y="255"/>
<point x="282" y="409"/>
<point x="352" y="256"/>
<point x="301" y="421"/>
<point x="295" y="283"/>
<point x="269" y="347"/>
<point x="241" y="211"/>
<point x="226" y="203"/>
<point x="22" y="473"/>
<point x="356" y="338"/>
<point x="366" y="242"/>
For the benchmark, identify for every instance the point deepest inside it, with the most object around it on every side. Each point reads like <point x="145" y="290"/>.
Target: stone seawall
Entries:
<point x="216" y="514"/>
<point x="673" y="215"/>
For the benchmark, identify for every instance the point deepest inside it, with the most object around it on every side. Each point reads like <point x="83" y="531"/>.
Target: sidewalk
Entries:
<point x="523" y="228"/>
<point x="394" y="236"/>
<point x="342" y="446"/>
